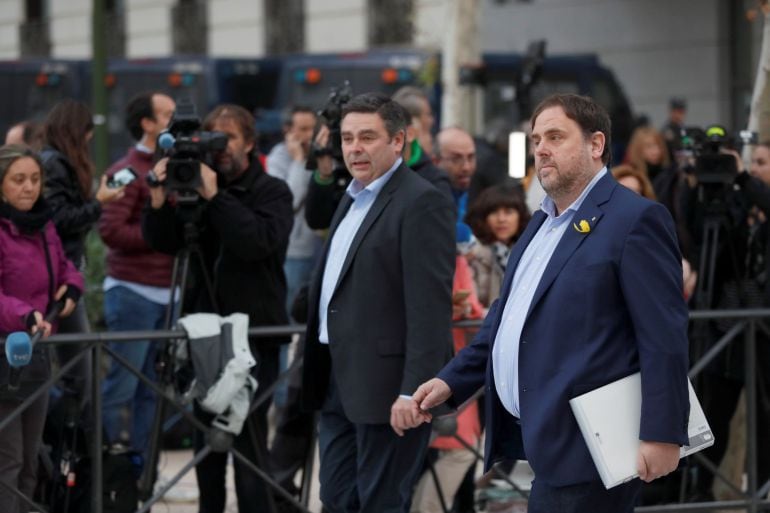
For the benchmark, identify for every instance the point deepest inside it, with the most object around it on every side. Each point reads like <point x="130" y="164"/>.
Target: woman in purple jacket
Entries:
<point x="34" y="273"/>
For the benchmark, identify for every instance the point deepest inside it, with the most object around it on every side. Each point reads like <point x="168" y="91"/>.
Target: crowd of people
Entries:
<point x="379" y="252"/>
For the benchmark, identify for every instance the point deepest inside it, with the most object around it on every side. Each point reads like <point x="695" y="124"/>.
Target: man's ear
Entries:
<point x="411" y="133"/>
<point x="250" y="146"/>
<point x="598" y="140"/>
<point x="400" y="140"/>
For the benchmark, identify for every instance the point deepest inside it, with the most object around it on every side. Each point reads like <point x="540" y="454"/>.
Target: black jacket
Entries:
<point x="243" y="236"/>
<point x="73" y="214"/>
<point x="425" y="168"/>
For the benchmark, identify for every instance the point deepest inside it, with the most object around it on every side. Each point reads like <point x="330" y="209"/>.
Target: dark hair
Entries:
<point x="393" y="115"/>
<point x="288" y="114"/>
<point x="505" y="195"/>
<point x="10" y="153"/>
<point x="237" y="115"/>
<point x="138" y="108"/>
<point x="589" y="115"/>
<point x="66" y="127"/>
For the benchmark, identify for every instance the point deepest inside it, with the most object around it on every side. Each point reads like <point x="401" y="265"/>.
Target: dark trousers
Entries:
<point x="719" y="398"/>
<point x="19" y="446"/>
<point x="78" y="379"/>
<point x="583" y="497"/>
<point x="251" y="490"/>
<point x="366" y="468"/>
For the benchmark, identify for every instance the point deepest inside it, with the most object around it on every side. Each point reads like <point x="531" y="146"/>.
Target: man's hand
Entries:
<point x="429" y="395"/>
<point x="158" y="193"/>
<point x="208" y="188"/>
<point x="656" y="459"/>
<point x="294" y="147"/>
<point x="325" y="162"/>
<point x="404" y="414"/>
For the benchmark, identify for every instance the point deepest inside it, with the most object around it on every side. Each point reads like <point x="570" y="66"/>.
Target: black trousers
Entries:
<point x="719" y="397"/>
<point x="582" y="498"/>
<point x="252" y="492"/>
<point x="366" y="468"/>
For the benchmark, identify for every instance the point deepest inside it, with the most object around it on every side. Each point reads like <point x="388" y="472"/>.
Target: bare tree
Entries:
<point x="284" y="26"/>
<point x="759" y="118"/>
<point x="390" y="22"/>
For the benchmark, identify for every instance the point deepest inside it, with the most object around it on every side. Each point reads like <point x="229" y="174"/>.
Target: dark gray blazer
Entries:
<point x="390" y="316"/>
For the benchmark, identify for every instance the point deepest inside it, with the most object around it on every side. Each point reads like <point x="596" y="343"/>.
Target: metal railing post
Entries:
<point x="750" y="387"/>
<point x="97" y="494"/>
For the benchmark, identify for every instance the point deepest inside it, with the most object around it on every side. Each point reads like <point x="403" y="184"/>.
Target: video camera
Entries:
<point x="712" y="165"/>
<point x="331" y="115"/>
<point x="188" y="146"/>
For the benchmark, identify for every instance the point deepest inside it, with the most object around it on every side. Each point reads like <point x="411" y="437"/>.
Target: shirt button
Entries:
<point x="523" y="389"/>
<point x="523" y="341"/>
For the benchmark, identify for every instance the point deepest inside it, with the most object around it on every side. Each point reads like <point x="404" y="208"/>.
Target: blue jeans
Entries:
<point x="125" y="310"/>
<point x="298" y="272"/>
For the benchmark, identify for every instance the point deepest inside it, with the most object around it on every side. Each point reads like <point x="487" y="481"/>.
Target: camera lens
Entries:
<point x="185" y="172"/>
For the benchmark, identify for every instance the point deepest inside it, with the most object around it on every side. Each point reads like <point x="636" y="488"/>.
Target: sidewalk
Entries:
<point x="501" y="499"/>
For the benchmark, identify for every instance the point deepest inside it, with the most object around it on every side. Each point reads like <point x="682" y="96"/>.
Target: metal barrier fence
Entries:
<point x="747" y="320"/>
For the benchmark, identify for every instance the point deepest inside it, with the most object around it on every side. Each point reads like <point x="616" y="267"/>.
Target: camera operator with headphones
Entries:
<point x="244" y="217"/>
<point x="740" y="282"/>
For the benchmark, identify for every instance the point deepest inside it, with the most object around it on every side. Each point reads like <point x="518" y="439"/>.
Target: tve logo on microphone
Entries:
<point x="18" y="349"/>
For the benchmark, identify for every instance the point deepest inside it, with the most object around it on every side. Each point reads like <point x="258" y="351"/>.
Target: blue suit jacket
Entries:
<point x="609" y="304"/>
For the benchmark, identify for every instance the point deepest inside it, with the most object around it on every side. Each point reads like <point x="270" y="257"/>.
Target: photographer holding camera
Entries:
<point x="740" y="281"/>
<point x="244" y="218"/>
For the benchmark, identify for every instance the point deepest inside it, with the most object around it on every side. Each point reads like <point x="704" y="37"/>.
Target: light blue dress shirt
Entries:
<point x="529" y="272"/>
<point x="363" y="199"/>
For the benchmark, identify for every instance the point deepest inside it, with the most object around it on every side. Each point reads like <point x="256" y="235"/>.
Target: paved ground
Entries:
<point x="183" y="496"/>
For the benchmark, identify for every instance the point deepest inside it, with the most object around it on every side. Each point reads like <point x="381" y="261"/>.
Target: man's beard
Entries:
<point x="232" y="170"/>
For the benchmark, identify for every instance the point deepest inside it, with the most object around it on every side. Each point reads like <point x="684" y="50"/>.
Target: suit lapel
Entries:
<point x="589" y="212"/>
<point x="382" y="200"/>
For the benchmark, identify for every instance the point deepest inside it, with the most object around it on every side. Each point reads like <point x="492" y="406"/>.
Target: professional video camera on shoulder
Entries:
<point x="331" y="116"/>
<point x="187" y="146"/>
<point x="712" y="165"/>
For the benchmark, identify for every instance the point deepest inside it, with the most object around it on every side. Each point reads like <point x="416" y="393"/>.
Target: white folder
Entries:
<point x="609" y="419"/>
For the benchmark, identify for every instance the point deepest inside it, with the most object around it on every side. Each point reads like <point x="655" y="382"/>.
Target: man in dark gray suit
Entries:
<point x="380" y="316"/>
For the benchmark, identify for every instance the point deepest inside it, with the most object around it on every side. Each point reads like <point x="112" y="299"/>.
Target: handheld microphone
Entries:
<point x="19" y="346"/>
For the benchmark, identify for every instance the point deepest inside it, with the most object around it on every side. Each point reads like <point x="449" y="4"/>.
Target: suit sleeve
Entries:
<point x="466" y="373"/>
<point x="427" y="259"/>
<point x="651" y="280"/>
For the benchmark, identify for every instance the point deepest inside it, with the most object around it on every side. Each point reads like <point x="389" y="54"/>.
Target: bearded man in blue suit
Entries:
<point x="593" y="293"/>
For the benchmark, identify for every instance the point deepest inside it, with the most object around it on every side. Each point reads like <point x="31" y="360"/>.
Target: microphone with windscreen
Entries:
<point x="19" y="346"/>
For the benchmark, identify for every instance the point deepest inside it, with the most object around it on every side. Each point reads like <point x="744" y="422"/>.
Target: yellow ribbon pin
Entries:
<point x="582" y="226"/>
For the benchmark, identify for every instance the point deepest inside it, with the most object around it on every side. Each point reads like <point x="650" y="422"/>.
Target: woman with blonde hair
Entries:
<point x="635" y="179"/>
<point x="647" y="152"/>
